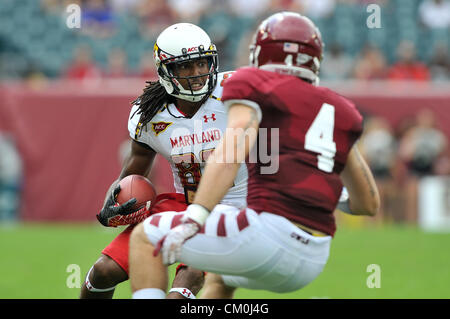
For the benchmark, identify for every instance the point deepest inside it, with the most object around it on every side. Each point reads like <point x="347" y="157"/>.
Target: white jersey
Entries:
<point x="186" y="143"/>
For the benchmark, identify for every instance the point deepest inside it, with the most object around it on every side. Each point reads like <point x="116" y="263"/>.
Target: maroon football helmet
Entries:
<point x="288" y="43"/>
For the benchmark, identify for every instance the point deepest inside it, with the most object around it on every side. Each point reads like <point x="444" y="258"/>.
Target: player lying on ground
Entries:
<point x="182" y="118"/>
<point x="281" y="241"/>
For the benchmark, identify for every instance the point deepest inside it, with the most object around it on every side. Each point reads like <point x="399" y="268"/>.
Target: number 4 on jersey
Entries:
<point x="319" y="138"/>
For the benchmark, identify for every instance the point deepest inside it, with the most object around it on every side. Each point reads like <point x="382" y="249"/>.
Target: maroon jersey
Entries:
<point x="316" y="127"/>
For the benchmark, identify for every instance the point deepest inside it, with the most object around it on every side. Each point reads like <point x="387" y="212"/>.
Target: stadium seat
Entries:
<point x="27" y="28"/>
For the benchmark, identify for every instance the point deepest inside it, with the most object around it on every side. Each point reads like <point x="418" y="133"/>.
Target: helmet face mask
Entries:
<point x="185" y="43"/>
<point x="288" y="43"/>
<point x="173" y="81"/>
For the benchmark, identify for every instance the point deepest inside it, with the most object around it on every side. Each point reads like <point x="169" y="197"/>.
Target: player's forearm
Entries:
<point x="223" y="164"/>
<point x="364" y="198"/>
<point x="139" y="162"/>
<point x="216" y="181"/>
<point x="219" y="174"/>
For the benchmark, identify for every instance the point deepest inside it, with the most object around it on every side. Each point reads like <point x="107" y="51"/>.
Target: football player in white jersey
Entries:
<point x="182" y="118"/>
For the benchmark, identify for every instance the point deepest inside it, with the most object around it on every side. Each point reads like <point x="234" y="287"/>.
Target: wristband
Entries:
<point x="197" y="213"/>
<point x="184" y="292"/>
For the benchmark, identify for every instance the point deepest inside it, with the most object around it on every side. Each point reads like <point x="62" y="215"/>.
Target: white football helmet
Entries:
<point x="179" y="43"/>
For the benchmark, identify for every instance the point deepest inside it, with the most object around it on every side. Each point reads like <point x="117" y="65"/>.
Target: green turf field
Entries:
<point x="412" y="264"/>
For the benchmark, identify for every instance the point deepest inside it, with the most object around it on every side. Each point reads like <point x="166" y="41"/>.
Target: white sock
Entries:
<point x="149" y="293"/>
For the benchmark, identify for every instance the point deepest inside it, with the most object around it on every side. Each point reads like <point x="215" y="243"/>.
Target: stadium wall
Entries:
<point x="71" y="136"/>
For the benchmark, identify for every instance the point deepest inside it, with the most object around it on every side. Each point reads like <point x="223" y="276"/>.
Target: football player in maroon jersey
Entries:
<point x="281" y="241"/>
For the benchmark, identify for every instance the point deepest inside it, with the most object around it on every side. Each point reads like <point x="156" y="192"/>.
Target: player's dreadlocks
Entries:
<point x="151" y="101"/>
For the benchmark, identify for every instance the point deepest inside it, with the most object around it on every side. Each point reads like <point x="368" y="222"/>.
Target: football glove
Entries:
<point x="113" y="214"/>
<point x="170" y="245"/>
<point x="344" y="204"/>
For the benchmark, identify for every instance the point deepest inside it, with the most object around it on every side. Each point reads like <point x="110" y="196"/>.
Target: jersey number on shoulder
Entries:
<point x="319" y="138"/>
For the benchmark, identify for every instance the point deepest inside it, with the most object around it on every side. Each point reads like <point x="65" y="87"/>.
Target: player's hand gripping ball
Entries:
<point x="129" y="203"/>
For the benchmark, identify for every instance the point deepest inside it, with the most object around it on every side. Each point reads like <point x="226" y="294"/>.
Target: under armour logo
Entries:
<point x="212" y="117"/>
<point x="185" y="291"/>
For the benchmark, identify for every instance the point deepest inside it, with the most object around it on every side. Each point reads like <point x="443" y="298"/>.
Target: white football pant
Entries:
<point x="250" y="250"/>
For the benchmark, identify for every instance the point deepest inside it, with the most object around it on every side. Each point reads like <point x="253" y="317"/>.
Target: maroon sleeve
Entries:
<point x="350" y="122"/>
<point x="242" y="85"/>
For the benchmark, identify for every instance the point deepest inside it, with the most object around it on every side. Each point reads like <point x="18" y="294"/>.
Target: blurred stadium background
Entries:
<point x="65" y="96"/>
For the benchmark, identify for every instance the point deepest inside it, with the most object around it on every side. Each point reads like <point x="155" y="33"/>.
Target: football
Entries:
<point x="139" y="187"/>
